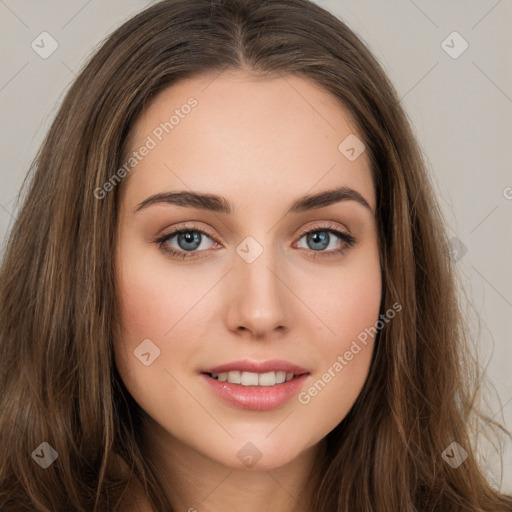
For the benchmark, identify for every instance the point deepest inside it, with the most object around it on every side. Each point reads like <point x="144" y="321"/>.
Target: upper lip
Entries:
<point x="271" y="365"/>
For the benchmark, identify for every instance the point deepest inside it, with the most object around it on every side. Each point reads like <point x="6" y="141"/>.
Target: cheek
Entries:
<point x="154" y="302"/>
<point x="345" y="299"/>
<point x="140" y="314"/>
<point x="150" y="297"/>
<point x="354" y="317"/>
<point x="348" y="306"/>
<point x="139" y="305"/>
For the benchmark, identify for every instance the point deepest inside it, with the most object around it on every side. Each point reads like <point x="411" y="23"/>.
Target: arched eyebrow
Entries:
<point x="219" y="204"/>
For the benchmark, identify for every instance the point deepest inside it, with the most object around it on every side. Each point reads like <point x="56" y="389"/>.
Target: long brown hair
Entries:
<point x="58" y="377"/>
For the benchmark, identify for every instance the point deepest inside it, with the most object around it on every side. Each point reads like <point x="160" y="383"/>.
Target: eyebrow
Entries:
<point x="220" y="204"/>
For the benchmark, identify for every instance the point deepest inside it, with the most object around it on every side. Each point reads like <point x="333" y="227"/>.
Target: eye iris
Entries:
<point x="189" y="237"/>
<point x="319" y="237"/>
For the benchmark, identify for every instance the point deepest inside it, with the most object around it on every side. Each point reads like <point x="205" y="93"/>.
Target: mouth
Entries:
<point x="257" y="391"/>
<point x="266" y="379"/>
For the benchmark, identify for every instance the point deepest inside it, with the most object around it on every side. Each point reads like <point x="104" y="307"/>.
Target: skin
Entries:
<point x="261" y="143"/>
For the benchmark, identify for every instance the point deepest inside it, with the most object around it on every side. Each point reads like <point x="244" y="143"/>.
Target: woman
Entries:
<point x="229" y="284"/>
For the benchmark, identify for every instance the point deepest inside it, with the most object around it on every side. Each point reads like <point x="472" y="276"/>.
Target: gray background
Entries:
<point x="461" y="110"/>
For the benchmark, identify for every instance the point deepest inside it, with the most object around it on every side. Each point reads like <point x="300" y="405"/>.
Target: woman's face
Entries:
<point x="247" y="288"/>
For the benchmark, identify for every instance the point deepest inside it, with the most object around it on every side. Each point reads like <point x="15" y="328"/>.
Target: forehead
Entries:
<point x="238" y="133"/>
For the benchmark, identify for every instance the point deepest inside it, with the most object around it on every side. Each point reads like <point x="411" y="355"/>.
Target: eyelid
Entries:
<point x="187" y="227"/>
<point x="324" y="225"/>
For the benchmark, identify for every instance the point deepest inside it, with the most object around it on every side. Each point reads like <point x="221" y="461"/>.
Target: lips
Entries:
<point x="256" y="385"/>
<point x="271" y="365"/>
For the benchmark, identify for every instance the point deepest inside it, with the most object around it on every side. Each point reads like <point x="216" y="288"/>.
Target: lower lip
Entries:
<point x="256" y="398"/>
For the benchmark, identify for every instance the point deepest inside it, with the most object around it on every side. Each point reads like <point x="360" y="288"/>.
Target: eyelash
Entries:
<point x="161" y="242"/>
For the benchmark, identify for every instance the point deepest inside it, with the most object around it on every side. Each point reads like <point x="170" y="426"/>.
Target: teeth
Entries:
<point x="234" y="377"/>
<point x="249" y="379"/>
<point x="253" y="379"/>
<point x="267" y="379"/>
<point x="281" y="377"/>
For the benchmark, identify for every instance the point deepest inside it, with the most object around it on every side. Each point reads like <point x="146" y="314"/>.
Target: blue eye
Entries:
<point x="320" y="239"/>
<point x="190" y="240"/>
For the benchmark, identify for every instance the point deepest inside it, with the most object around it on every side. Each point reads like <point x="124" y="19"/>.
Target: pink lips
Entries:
<point x="258" y="398"/>
<point x="271" y="365"/>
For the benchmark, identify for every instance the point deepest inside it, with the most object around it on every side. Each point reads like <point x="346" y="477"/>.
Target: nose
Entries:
<point x="258" y="303"/>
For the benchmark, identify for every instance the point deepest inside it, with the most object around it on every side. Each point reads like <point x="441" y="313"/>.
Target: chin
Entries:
<point x="257" y="452"/>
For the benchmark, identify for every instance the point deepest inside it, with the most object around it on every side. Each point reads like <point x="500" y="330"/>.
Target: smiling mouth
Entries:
<point x="266" y="379"/>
